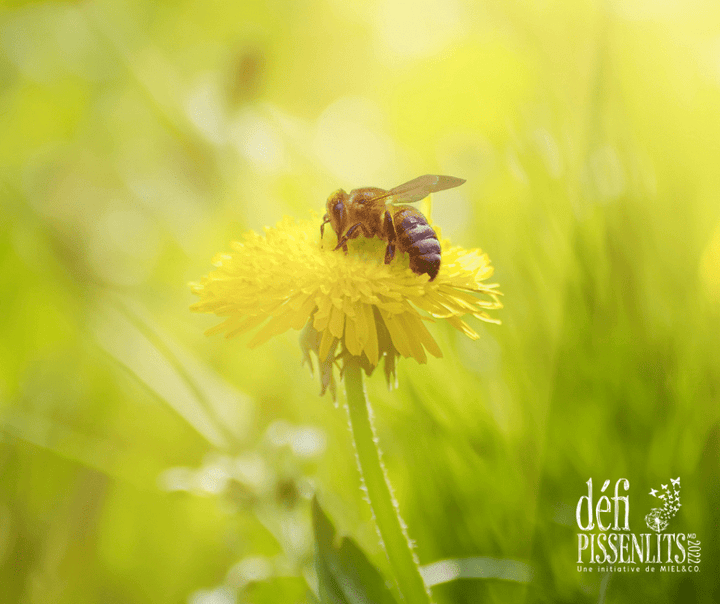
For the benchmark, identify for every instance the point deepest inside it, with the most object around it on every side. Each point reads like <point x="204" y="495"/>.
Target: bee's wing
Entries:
<point x="420" y="187"/>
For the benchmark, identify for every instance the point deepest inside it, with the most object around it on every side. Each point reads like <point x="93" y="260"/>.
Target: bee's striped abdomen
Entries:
<point x="416" y="237"/>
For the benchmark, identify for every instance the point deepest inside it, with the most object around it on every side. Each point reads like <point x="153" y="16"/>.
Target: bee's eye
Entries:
<point x="339" y="210"/>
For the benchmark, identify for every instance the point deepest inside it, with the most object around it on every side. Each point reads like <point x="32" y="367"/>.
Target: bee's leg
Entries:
<point x="391" y="236"/>
<point x="342" y="242"/>
<point x="389" y="253"/>
<point x="326" y="219"/>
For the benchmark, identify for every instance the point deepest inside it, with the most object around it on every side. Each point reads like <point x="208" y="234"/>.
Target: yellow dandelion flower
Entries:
<point x="289" y="278"/>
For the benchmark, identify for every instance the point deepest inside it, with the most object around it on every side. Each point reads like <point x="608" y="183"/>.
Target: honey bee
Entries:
<point x="371" y="211"/>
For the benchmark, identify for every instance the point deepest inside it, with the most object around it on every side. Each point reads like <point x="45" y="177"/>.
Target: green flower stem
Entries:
<point x="397" y="544"/>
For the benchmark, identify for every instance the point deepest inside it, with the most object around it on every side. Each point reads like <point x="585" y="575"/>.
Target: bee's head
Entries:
<point x="336" y="212"/>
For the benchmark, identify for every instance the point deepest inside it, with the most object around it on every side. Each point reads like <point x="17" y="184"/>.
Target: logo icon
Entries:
<point x="658" y="518"/>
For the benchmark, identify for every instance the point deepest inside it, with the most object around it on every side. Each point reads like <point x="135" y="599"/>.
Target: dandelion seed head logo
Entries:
<point x="658" y="518"/>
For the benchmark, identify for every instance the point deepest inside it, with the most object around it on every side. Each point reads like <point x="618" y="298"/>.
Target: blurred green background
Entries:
<point x="143" y="462"/>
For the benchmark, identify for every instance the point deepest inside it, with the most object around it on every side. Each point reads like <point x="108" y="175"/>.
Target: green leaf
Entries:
<point x="193" y="390"/>
<point x="345" y="575"/>
<point x="476" y="568"/>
